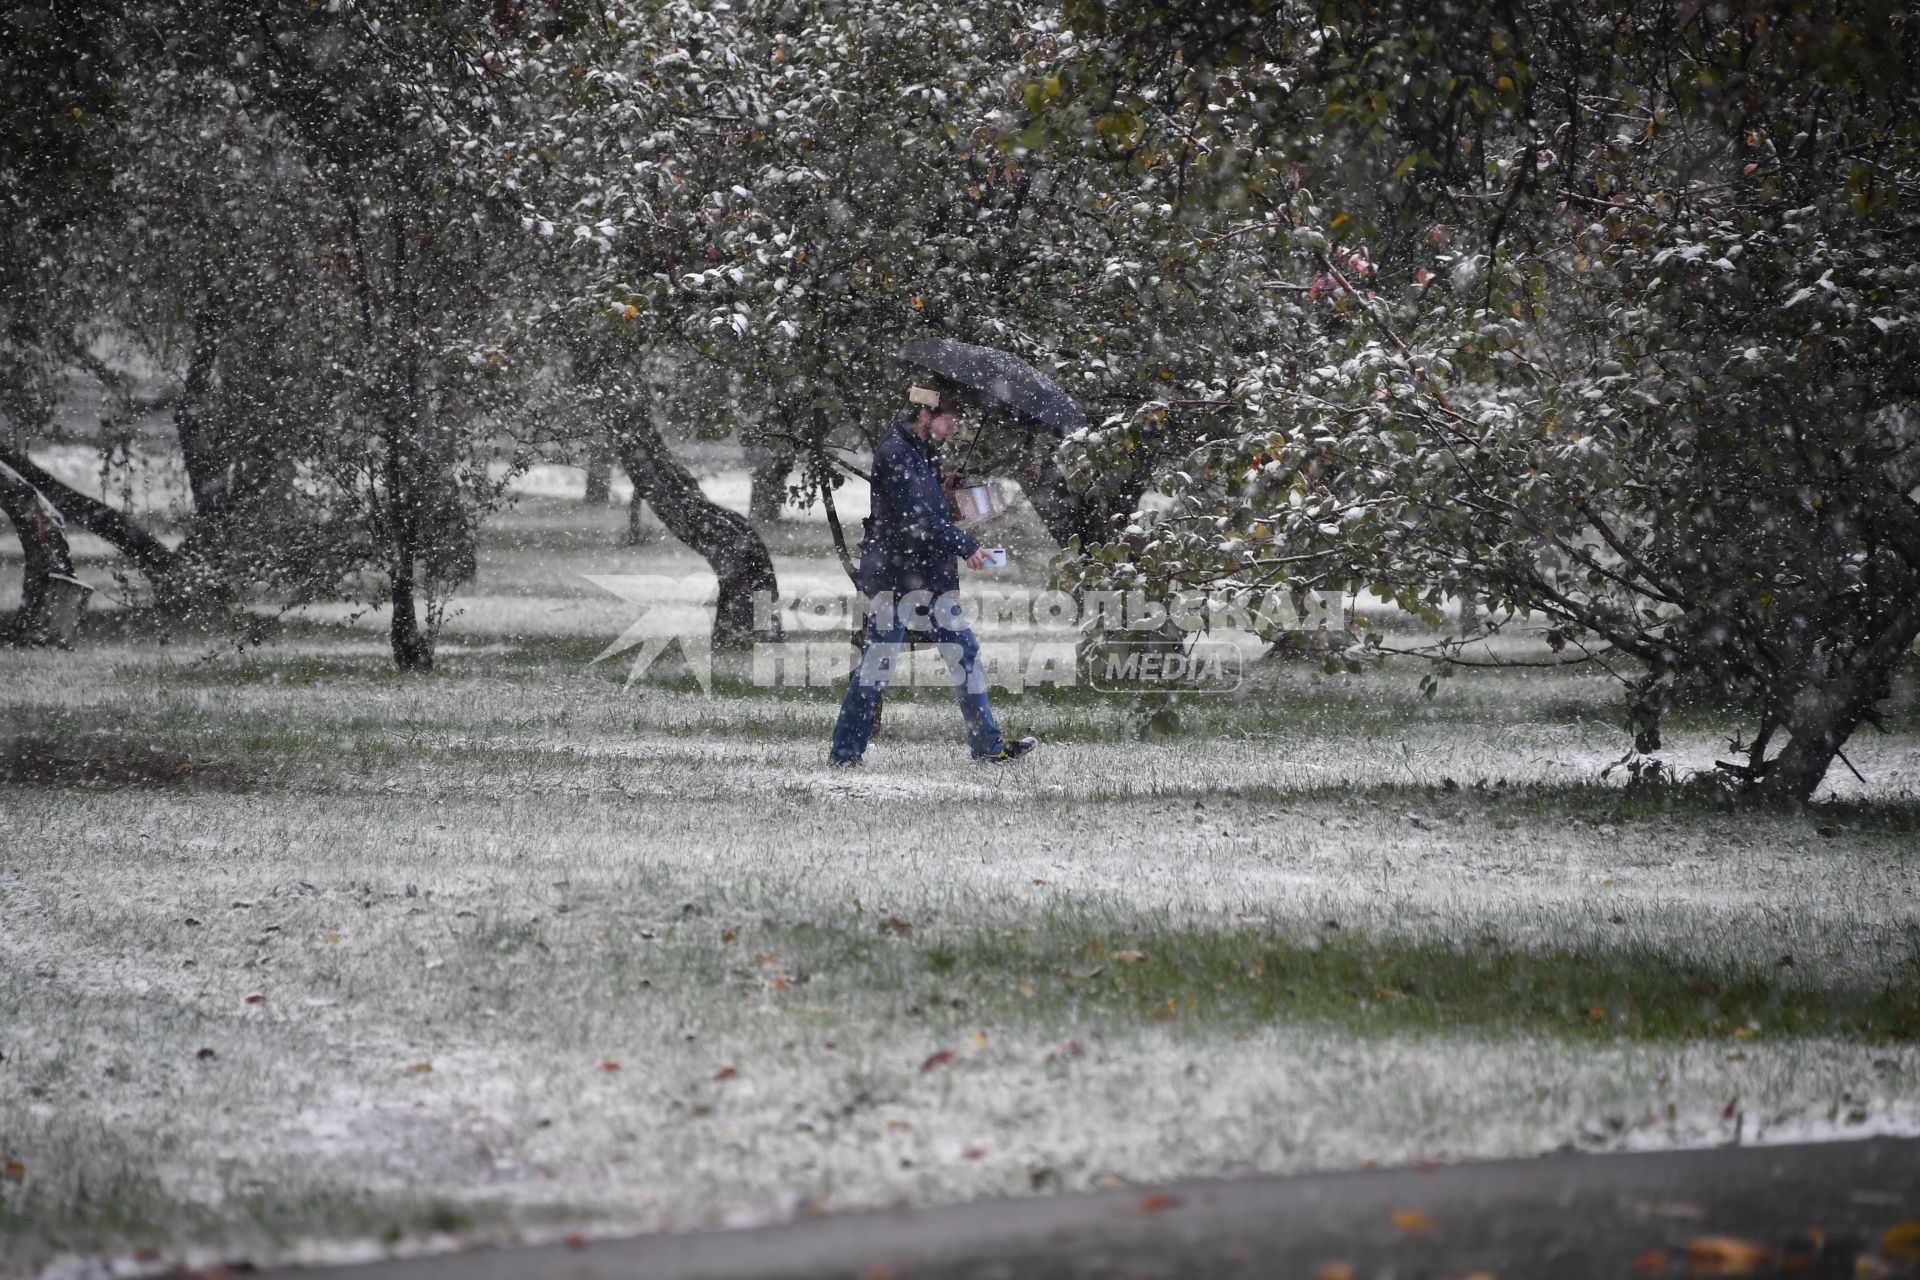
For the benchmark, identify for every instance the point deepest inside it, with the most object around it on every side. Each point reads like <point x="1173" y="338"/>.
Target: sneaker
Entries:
<point x="1009" y="751"/>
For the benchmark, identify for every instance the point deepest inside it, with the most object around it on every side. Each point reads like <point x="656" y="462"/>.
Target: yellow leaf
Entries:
<point x="1336" y="224"/>
<point x="979" y="1040"/>
<point x="1726" y="1256"/>
<point x="1413" y="1221"/>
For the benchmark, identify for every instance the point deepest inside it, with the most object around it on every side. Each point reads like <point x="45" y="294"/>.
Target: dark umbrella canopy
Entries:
<point x="996" y="379"/>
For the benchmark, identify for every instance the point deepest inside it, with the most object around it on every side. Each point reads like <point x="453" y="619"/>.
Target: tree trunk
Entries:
<point x="151" y="556"/>
<point x="200" y="452"/>
<point x="203" y="556"/>
<point x="51" y="598"/>
<point x="725" y="539"/>
<point x="1067" y="514"/>
<point x="600" y="475"/>
<point x="770" y="465"/>
<point x="406" y="468"/>
<point x="1837" y="706"/>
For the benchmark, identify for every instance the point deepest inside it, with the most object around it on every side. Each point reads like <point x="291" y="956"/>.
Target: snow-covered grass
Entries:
<point x="301" y="952"/>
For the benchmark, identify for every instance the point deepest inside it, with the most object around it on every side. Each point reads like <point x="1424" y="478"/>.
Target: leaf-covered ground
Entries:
<point x="300" y="952"/>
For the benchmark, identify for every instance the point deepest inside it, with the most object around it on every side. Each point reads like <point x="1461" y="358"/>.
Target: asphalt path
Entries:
<point x="1845" y="1209"/>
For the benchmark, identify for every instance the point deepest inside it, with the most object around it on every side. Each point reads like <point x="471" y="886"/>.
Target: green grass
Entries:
<point x="1395" y="987"/>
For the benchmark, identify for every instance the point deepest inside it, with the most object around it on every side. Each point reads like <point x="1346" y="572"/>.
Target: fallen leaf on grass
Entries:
<point x="416" y="1069"/>
<point x="725" y="1073"/>
<point x="1158" y="1202"/>
<point x="333" y="937"/>
<point x="608" y="1064"/>
<point x="1903" y="1240"/>
<point x="894" y="924"/>
<point x="973" y="1153"/>
<point x="979" y="1039"/>
<point x="256" y="998"/>
<point x="1726" y="1256"/>
<point x="766" y="957"/>
<point x="1414" y="1222"/>
<point x="13" y="1171"/>
<point x="206" y="1055"/>
<point x="939" y="1059"/>
<point x="1127" y="957"/>
<point x="728" y="935"/>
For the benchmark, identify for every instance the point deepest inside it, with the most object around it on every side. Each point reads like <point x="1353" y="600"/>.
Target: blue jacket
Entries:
<point x="910" y="544"/>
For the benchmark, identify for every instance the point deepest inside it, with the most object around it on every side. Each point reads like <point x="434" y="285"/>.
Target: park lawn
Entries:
<point x="304" y="956"/>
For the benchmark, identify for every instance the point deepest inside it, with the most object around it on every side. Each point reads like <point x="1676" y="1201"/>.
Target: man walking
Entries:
<point x="908" y="581"/>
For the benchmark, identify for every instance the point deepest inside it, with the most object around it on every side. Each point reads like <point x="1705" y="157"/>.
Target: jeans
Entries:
<point x="888" y="621"/>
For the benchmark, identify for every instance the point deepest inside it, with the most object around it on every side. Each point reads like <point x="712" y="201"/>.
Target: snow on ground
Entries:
<point x="519" y="944"/>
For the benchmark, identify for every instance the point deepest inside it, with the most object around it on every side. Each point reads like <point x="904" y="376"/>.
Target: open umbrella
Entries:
<point x="996" y="380"/>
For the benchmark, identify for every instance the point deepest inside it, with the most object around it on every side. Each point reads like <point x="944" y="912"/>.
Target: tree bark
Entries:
<point x="1836" y="707"/>
<point x="151" y="556"/>
<point x="600" y="475"/>
<point x="199" y="451"/>
<point x="770" y="465"/>
<point x="405" y="478"/>
<point x="202" y="576"/>
<point x="724" y="538"/>
<point x="1067" y="514"/>
<point x="51" y="598"/>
